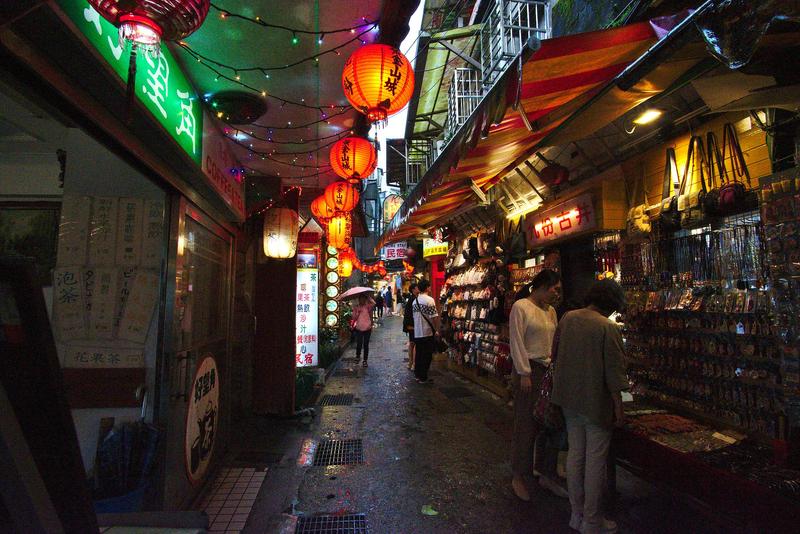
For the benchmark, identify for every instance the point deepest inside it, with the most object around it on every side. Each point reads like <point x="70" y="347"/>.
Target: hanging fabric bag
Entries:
<point x="733" y="196"/>
<point x="690" y="204"/>
<point x="638" y="222"/>
<point x="669" y="218"/>
<point x="716" y="165"/>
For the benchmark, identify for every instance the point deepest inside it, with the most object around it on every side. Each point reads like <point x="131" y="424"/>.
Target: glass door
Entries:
<point x="199" y="358"/>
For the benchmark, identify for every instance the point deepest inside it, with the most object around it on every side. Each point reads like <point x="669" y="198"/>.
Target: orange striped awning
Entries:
<point x="560" y="77"/>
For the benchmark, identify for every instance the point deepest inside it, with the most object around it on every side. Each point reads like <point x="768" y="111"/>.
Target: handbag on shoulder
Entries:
<point x="669" y="218"/>
<point x="545" y="412"/>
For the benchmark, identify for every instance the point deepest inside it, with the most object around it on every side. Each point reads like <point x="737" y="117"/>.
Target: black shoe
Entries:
<point x="364" y="364"/>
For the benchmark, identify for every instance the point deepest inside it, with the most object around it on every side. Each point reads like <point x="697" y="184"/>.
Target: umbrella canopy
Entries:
<point x="354" y="292"/>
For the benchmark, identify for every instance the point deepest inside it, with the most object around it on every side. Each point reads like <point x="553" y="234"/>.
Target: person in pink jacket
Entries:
<point x="362" y="317"/>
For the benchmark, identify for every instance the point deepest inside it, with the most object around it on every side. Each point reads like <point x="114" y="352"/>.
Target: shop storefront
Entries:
<point x="695" y="217"/>
<point x="144" y="271"/>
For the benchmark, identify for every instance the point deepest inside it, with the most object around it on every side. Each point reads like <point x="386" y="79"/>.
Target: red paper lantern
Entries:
<point x="147" y="22"/>
<point x="321" y="210"/>
<point x="378" y="80"/>
<point x="338" y="231"/>
<point x="346" y="262"/>
<point x="341" y="196"/>
<point x="353" y="158"/>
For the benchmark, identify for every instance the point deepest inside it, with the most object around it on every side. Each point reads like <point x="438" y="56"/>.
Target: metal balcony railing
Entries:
<point x="463" y="96"/>
<point x="418" y="158"/>
<point x="508" y="26"/>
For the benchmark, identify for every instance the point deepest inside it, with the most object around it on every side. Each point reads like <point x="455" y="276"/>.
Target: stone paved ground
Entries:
<point x="422" y="448"/>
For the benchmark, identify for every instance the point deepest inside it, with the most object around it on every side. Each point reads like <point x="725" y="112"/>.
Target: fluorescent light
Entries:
<point x="648" y="116"/>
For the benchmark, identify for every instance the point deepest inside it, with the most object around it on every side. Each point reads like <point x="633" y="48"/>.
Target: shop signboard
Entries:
<point x="571" y="217"/>
<point x="433" y="247"/>
<point x="202" y="419"/>
<point x="222" y="168"/>
<point x="394" y="251"/>
<point x="160" y="84"/>
<point x="306" y="327"/>
<point x="391" y="204"/>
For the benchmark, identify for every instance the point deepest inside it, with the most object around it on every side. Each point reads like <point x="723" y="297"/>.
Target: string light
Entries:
<point x="335" y="50"/>
<point x="224" y="13"/>
<point x="295" y="39"/>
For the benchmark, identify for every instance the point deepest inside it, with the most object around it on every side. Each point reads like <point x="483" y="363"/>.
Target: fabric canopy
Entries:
<point x="558" y="80"/>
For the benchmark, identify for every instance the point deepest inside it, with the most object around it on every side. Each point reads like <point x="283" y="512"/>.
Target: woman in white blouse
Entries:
<point x="532" y="325"/>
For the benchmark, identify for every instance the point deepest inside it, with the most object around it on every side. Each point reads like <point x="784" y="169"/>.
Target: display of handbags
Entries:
<point x="669" y="218"/>
<point x="638" y="221"/>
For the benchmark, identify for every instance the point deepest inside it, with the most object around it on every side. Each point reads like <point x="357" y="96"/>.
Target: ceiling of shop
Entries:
<point x="241" y="44"/>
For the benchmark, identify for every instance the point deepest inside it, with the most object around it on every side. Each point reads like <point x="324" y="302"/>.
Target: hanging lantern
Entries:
<point x="341" y="196"/>
<point x="338" y="231"/>
<point x="280" y="233"/>
<point x="353" y="158"/>
<point x="321" y="210"/>
<point x="346" y="263"/>
<point x="146" y="23"/>
<point x="378" y="81"/>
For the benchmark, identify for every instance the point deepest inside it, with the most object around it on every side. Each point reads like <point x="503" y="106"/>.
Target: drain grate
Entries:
<point x="332" y="524"/>
<point x="346" y="372"/>
<point x="342" y="399"/>
<point x="339" y="452"/>
<point x="456" y="392"/>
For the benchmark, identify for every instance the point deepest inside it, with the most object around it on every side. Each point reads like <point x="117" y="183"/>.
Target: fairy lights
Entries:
<point x="224" y="14"/>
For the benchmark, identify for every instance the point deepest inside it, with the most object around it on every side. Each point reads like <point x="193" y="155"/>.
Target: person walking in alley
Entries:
<point x="387" y="299"/>
<point x="408" y="322"/>
<point x="362" y="316"/>
<point x="532" y="325"/>
<point x="426" y="327"/>
<point x="379" y="305"/>
<point x="587" y="383"/>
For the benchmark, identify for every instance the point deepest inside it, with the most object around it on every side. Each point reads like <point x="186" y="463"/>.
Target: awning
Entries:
<point x="565" y="75"/>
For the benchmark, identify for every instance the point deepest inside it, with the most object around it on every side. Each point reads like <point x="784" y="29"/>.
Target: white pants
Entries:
<point x="586" y="469"/>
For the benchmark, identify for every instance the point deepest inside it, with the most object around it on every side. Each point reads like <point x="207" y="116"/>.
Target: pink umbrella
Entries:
<point x="354" y="292"/>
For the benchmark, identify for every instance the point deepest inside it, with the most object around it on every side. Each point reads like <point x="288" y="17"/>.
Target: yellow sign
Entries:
<point x="390" y="206"/>
<point x="432" y="247"/>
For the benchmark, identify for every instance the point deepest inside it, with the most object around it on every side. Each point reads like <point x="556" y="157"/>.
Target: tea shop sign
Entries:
<point x="574" y="216"/>
<point x="160" y="84"/>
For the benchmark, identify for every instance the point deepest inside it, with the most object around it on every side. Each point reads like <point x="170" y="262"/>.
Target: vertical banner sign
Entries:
<point x="568" y="218"/>
<point x="391" y="204"/>
<point x="160" y="84"/>
<point x="306" y="317"/>
<point x="201" y="419"/>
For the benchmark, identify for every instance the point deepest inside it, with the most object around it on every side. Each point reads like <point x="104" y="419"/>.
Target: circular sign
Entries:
<point x="202" y="418"/>
<point x="332" y="263"/>
<point x="331" y="305"/>
<point x="331" y="320"/>
<point x="332" y="291"/>
<point x="332" y="277"/>
<point x="333" y="251"/>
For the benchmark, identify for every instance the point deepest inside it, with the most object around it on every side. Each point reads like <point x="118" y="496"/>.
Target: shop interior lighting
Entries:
<point x="511" y="215"/>
<point x="648" y="116"/>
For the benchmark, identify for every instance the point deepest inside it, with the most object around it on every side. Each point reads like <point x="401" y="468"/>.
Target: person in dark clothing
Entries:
<point x="408" y="322"/>
<point x="426" y="328"/>
<point x="379" y="304"/>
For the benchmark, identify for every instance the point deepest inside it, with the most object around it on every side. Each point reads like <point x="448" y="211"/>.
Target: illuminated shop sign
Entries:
<point x="307" y="313"/>
<point x="433" y="247"/>
<point x="571" y="217"/>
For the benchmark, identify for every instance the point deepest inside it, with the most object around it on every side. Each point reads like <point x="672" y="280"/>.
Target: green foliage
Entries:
<point x="329" y="350"/>
<point x="304" y="385"/>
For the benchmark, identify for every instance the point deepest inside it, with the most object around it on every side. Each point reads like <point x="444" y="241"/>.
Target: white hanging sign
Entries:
<point x="306" y="318"/>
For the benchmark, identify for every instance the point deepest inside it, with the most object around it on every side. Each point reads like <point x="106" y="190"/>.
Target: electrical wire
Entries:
<point x="224" y="13"/>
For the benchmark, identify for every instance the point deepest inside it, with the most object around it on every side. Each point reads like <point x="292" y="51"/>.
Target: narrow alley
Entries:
<point x="440" y="449"/>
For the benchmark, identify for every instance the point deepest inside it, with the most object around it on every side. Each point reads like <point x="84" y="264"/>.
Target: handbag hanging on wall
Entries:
<point x="638" y="222"/>
<point x="735" y="197"/>
<point x="669" y="218"/>
<point x="716" y="165"/>
<point x="690" y="203"/>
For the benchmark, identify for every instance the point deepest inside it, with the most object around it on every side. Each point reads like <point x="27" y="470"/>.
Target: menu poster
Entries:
<point x="152" y="234"/>
<point x="69" y="307"/>
<point x="103" y="357"/>
<point x="129" y="231"/>
<point x="125" y="282"/>
<point x="103" y="304"/>
<point x="102" y="231"/>
<point x="138" y="309"/>
<point x="73" y="230"/>
<point x="306" y="320"/>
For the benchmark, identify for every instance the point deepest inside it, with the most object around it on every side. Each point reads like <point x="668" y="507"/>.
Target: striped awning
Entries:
<point x="560" y="78"/>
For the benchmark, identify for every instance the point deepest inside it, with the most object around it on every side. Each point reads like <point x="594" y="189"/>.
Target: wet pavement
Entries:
<point x="442" y="447"/>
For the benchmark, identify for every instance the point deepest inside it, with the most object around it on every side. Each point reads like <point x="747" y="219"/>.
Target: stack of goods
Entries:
<point x="681" y="434"/>
<point x="709" y="351"/>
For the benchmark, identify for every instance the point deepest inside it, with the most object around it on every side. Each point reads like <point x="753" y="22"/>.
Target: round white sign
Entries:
<point x="202" y="419"/>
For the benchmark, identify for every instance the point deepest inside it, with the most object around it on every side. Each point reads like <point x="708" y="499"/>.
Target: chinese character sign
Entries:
<point x="394" y="251"/>
<point x="306" y="315"/>
<point x="201" y="419"/>
<point x="160" y="84"/>
<point x="571" y="217"/>
<point x="433" y="247"/>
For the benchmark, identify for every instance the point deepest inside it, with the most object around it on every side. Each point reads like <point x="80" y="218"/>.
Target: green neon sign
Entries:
<point x="160" y="84"/>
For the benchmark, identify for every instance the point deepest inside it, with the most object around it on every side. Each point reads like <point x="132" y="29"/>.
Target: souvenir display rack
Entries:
<point x="475" y="318"/>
